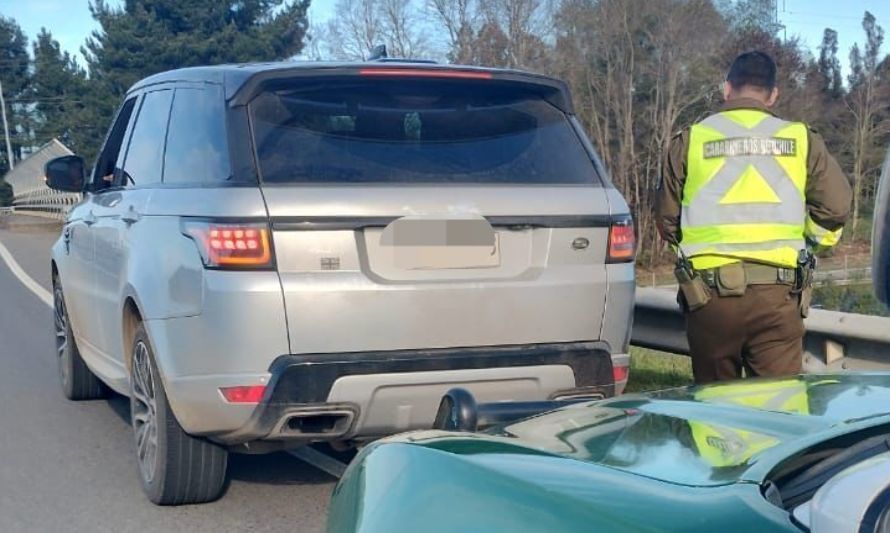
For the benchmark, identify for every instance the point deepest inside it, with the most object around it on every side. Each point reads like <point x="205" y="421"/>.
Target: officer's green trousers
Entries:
<point x="761" y="332"/>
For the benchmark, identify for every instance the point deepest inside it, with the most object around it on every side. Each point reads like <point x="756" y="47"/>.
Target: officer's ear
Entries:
<point x="773" y="97"/>
<point x="727" y="91"/>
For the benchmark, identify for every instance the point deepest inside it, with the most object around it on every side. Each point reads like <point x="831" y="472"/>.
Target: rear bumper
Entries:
<point x="369" y="394"/>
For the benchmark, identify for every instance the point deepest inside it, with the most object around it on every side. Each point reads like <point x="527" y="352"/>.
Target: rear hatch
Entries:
<point x="412" y="211"/>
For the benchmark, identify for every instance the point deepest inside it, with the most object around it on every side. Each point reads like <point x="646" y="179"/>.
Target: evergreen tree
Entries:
<point x="5" y="193"/>
<point x="14" y="77"/>
<point x="144" y="37"/>
<point x="830" y="65"/>
<point x="149" y="36"/>
<point x="59" y="91"/>
<point x="825" y="109"/>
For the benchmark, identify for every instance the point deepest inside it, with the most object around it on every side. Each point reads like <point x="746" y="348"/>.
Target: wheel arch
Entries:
<point x="132" y="317"/>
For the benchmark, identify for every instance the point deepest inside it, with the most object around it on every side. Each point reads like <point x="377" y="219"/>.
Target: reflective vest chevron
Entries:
<point x="744" y="196"/>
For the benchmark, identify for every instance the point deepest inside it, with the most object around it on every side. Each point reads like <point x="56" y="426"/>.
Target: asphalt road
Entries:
<point x="69" y="466"/>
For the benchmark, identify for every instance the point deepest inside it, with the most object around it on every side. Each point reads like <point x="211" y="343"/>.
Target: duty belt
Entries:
<point x="756" y="274"/>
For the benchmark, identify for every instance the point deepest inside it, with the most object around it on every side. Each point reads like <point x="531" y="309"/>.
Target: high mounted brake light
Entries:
<point x="622" y="242"/>
<point x="426" y="73"/>
<point x="226" y="245"/>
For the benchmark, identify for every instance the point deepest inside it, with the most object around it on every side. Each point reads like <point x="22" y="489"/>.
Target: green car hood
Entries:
<point x="690" y="458"/>
<point x="399" y="487"/>
<point x="700" y="436"/>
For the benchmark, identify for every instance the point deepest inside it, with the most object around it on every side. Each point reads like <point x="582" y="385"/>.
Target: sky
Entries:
<point x="70" y="21"/>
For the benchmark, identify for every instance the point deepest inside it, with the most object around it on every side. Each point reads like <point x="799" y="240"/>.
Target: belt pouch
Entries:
<point x="731" y="280"/>
<point x="695" y="291"/>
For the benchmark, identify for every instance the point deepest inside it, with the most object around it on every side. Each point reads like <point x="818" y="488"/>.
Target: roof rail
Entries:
<point x="378" y="54"/>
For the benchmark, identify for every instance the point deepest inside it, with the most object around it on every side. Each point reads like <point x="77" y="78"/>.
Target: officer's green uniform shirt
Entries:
<point x="744" y="184"/>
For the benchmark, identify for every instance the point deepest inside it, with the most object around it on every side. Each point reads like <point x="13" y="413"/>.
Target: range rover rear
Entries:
<point x="268" y="255"/>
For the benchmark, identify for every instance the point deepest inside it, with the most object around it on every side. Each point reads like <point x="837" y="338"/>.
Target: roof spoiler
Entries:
<point x="458" y="411"/>
<point x="553" y="90"/>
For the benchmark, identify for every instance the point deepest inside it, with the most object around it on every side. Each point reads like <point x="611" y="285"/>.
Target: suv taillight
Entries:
<point x="622" y="242"/>
<point x="225" y="245"/>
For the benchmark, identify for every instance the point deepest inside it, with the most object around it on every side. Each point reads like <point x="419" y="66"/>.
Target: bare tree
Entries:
<point x="316" y="49"/>
<point x="681" y="75"/>
<point x="359" y="25"/>
<point x="460" y="19"/>
<point x="402" y="29"/>
<point x="355" y="29"/>
<point x="638" y="76"/>
<point x="867" y="104"/>
<point x="524" y="23"/>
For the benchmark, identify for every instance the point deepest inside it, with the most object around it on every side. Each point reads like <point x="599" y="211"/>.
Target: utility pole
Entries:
<point x="6" y="129"/>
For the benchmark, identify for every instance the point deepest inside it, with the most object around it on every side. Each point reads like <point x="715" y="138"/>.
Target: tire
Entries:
<point x="78" y="381"/>
<point x="174" y="467"/>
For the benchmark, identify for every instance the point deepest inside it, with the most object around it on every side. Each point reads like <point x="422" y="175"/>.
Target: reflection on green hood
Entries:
<point x="708" y="435"/>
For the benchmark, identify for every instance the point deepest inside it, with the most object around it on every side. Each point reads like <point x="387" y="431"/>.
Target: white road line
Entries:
<point x="319" y="460"/>
<point x="26" y="280"/>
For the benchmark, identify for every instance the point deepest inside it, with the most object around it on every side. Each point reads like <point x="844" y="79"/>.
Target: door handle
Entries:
<point x="89" y="219"/>
<point x="131" y="216"/>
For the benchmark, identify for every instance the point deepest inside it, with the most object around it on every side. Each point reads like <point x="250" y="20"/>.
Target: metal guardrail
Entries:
<point x="844" y="276"/>
<point x="46" y="203"/>
<point x="834" y="341"/>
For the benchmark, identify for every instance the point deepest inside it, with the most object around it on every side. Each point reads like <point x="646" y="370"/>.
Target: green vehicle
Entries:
<point x="809" y="453"/>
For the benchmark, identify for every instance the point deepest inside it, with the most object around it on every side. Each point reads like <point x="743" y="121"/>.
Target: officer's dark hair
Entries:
<point x="753" y="69"/>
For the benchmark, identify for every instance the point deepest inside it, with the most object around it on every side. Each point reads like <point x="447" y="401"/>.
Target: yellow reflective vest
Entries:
<point x="745" y="192"/>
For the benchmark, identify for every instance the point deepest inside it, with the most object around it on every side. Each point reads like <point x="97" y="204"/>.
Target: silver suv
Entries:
<point x="269" y="255"/>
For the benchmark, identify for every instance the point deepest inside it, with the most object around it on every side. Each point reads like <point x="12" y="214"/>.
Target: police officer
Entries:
<point x="744" y="192"/>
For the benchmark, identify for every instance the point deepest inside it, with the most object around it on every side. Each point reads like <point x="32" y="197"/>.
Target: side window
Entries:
<point x="103" y="172"/>
<point x="197" y="151"/>
<point x="145" y="155"/>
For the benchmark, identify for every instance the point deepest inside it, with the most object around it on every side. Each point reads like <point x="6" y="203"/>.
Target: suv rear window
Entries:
<point x="415" y="131"/>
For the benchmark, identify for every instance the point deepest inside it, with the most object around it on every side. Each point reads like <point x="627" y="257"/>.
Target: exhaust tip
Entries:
<point x="315" y="424"/>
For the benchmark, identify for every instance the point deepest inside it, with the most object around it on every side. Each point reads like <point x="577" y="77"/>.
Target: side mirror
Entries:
<point x="65" y="173"/>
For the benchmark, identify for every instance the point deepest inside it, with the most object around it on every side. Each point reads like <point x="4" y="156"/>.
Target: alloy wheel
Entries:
<point x="144" y="412"/>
